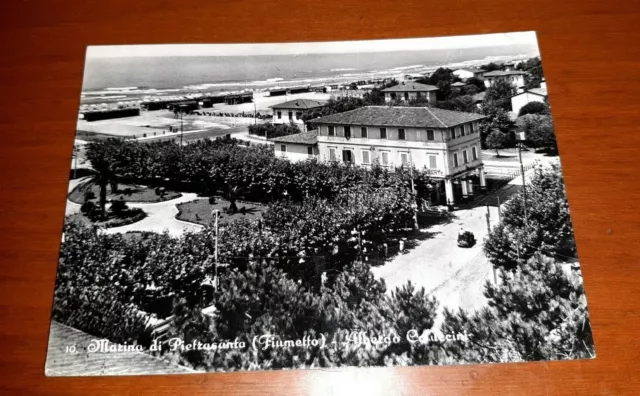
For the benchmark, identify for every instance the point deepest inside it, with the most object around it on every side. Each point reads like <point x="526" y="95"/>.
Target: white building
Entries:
<point x="443" y="142"/>
<point x="468" y="73"/>
<point x="528" y="96"/>
<point x="514" y="77"/>
<point x="291" y="111"/>
<point x="407" y="91"/>
<point x="297" y="147"/>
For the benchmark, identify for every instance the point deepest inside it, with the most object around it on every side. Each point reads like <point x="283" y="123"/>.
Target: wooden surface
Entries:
<point x="590" y="52"/>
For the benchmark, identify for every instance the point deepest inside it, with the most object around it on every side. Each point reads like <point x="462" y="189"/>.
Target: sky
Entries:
<point x="415" y="44"/>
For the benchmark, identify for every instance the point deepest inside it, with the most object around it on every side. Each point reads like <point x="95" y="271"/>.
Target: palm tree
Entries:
<point x="233" y="193"/>
<point x="103" y="169"/>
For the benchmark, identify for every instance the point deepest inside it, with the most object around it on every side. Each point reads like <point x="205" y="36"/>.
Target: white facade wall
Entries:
<point x="295" y="151"/>
<point x="463" y="74"/>
<point x="516" y="80"/>
<point x="287" y="116"/>
<point x="402" y="96"/>
<point x="518" y="101"/>
<point x="435" y="155"/>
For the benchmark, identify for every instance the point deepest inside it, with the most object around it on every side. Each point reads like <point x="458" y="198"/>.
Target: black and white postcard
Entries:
<point x="241" y="207"/>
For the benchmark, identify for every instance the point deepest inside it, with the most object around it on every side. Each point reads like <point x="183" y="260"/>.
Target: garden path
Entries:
<point x="160" y="218"/>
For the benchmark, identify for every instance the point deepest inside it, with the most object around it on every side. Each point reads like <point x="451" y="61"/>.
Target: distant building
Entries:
<point x="528" y="96"/>
<point x="297" y="147"/>
<point x="407" y="91"/>
<point x="478" y="98"/>
<point x="468" y="73"/>
<point x="292" y="110"/>
<point x="514" y="77"/>
<point x="443" y="142"/>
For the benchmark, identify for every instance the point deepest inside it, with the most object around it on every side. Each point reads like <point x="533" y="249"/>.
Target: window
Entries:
<point x="430" y="134"/>
<point x="363" y="132"/>
<point x="366" y="157"/>
<point x="461" y="130"/>
<point x="383" y="133"/>
<point x="347" y="156"/>
<point x="332" y="131"/>
<point x="279" y="115"/>
<point x="455" y="160"/>
<point x="347" y="132"/>
<point x="384" y="158"/>
<point x="432" y="162"/>
<point x="401" y="135"/>
<point x="332" y="154"/>
<point x="406" y="96"/>
<point x="283" y="148"/>
<point x="298" y="114"/>
<point x="474" y="153"/>
<point x="452" y="133"/>
<point x="310" y="151"/>
<point x="471" y="128"/>
<point x="404" y="159"/>
<point x="291" y="115"/>
<point x="464" y="156"/>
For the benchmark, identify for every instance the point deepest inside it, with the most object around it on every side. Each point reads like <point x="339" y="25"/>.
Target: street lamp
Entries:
<point x="521" y="137"/>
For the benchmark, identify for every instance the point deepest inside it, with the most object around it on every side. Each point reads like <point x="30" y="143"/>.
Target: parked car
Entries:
<point x="466" y="239"/>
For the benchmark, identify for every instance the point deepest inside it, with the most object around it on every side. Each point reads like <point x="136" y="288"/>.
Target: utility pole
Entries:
<point x="413" y="191"/>
<point x="215" y="252"/>
<point x="255" y="121"/>
<point x="499" y="210"/>
<point x="181" y="128"/>
<point x="76" y="152"/>
<point x="524" y="189"/>
<point x="488" y="216"/>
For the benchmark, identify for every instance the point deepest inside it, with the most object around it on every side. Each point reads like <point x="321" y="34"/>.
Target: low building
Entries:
<point x="297" y="147"/>
<point x="444" y="143"/>
<point x="514" y="77"/>
<point x="291" y="111"/>
<point x="528" y="96"/>
<point x="410" y="91"/>
<point x="468" y="73"/>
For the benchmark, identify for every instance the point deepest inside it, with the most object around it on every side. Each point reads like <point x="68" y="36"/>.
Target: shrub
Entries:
<point x="87" y="207"/>
<point x="212" y="200"/>
<point x="118" y="206"/>
<point x="534" y="108"/>
<point x="89" y="195"/>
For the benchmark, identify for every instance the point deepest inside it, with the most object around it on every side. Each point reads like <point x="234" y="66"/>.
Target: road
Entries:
<point x="454" y="276"/>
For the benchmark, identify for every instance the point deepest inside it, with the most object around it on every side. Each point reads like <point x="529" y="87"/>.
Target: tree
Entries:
<point x="534" y="108"/>
<point x="537" y="313"/>
<point x="539" y="130"/>
<point x="476" y="82"/>
<point x="549" y="227"/>
<point x="496" y="119"/>
<point x="495" y="141"/>
<point x="499" y="94"/>
<point x="100" y="155"/>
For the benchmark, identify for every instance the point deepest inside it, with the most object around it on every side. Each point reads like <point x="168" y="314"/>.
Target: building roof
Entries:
<point x="498" y="73"/>
<point x="411" y="87"/>
<point x="302" y="104"/>
<point x="419" y="117"/>
<point x="299" y="138"/>
<point x="539" y="91"/>
<point x="471" y="69"/>
<point x="479" y="97"/>
<point x="535" y="91"/>
<point x="60" y="363"/>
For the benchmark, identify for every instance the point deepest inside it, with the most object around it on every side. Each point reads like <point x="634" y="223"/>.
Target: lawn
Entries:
<point x="126" y="192"/>
<point x="128" y="216"/>
<point x="199" y="211"/>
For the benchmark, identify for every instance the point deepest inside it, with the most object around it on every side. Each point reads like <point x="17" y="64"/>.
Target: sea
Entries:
<point x="150" y="76"/>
